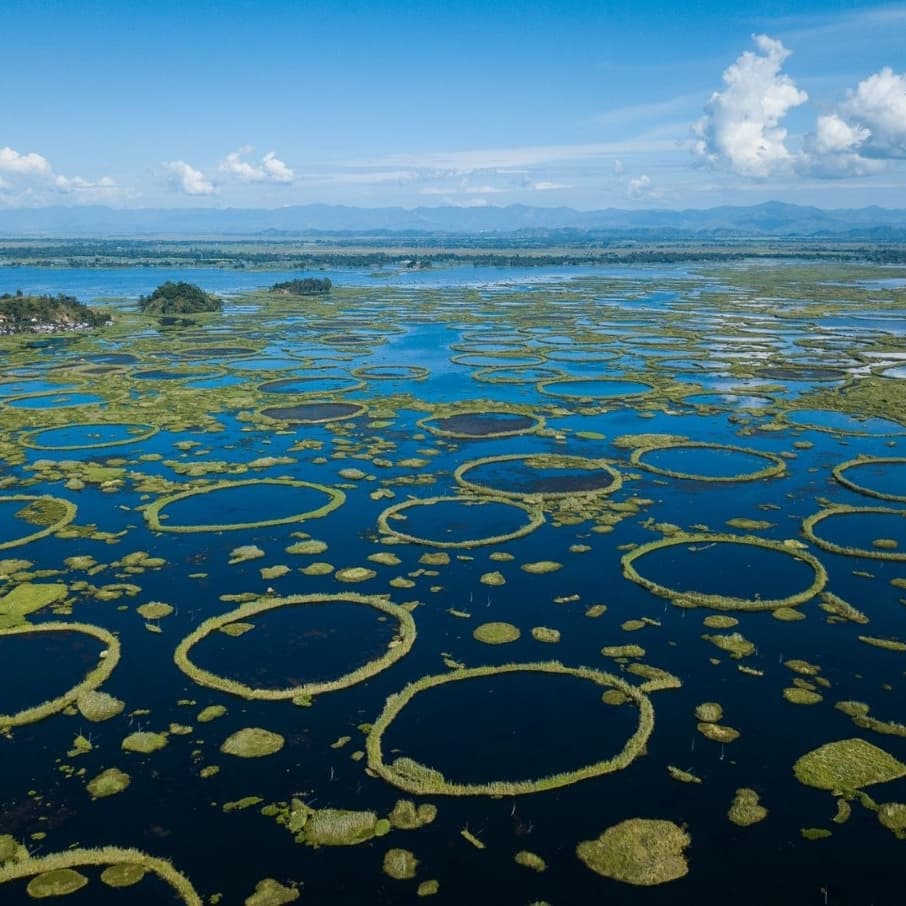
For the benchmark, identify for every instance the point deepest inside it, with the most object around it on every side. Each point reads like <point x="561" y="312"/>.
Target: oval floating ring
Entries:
<point x="777" y="464"/>
<point x="415" y="778"/>
<point x="64" y="520"/>
<point x="399" y="646"/>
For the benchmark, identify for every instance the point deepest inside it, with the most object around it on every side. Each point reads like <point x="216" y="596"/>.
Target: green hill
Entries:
<point x="179" y="299"/>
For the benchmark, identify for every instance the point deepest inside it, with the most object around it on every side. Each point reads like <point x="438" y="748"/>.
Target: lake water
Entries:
<point x="320" y="434"/>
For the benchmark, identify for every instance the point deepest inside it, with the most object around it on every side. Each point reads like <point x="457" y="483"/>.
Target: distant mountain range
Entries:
<point x="772" y="219"/>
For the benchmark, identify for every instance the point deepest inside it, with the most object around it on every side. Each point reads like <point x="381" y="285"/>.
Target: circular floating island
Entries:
<point x="684" y="597"/>
<point x="92" y="681"/>
<point x="482" y="424"/>
<point x="154" y="511"/>
<point x="549" y="474"/>
<point x="391" y="372"/>
<point x="883" y="520"/>
<point x="400" y="511"/>
<point x="892" y="470"/>
<point x="843" y="423"/>
<point x="410" y="775"/>
<point x="315" y="412"/>
<point x="52" y="513"/>
<point x="97" y="435"/>
<point x="708" y="454"/>
<point x="398" y="647"/>
<point x="572" y="388"/>
<point x="311" y="384"/>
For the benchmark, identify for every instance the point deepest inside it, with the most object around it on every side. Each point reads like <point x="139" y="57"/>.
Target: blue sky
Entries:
<point x="586" y="104"/>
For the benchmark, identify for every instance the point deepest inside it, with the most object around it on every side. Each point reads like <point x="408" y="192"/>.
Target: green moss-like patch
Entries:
<point x="846" y="766"/>
<point x="400" y="864"/>
<point x="639" y="851"/>
<point x="797" y="696"/>
<point x="545" y="634"/>
<point x="709" y="712"/>
<point x="718" y="732"/>
<point x="539" y="567"/>
<point x="420" y="779"/>
<point x="399" y="646"/>
<point x="144" y="742"/>
<point x="746" y="809"/>
<point x="840" y="473"/>
<point x="59" y="882"/>
<point x="272" y="893"/>
<point x="530" y="860"/>
<point x="496" y="633"/>
<point x="252" y="742"/>
<point x="123" y="874"/>
<point x="108" y="783"/>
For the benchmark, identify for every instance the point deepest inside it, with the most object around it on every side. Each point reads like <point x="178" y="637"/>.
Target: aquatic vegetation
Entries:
<point x="428" y="888"/>
<point x="776" y="464"/>
<point x="681" y="775"/>
<point x="810" y="522"/>
<point x="621" y="651"/>
<point x="709" y="712"/>
<point x="797" y="696"/>
<point x="35" y="866"/>
<point x="406" y="816"/>
<point x="840" y="609"/>
<point x="494" y="578"/>
<point x="269" y="892"/>
<point x="123" y="874"/>
<point x="814" y="833"/>
<point x="252" y="742"/>
<point x="885" y="644"/>
<point x="723" y="602"/>
<point x="638" y="851"/>
<point x="530" y="860"/>
<point x="400" y="864"/>
<point x="575" y="487"/>
<point x="26" y="599"/>
<point x="109" y="659"/>
<point x="398" y="511"/>
<point x="155" y="516"/>
<point x="545" y="634"/>
<point x="398" y="647"/>
<point x="154" y="610"/>
<point x="746" y="809"/>
<point x="56" y="883"/>
<point x="144" y="741"/>
<point x="540" y="567"/>
<point x="496" y="633"/>
<point x="846" y="766"/>
<point x="892" y="815"/>
<point x="99" y="706"/>
<point x="409" y="775"/>
<point x="51" y="513"/>
<point x="840" y="473"/>
<point x="718" y="732"/>
<point x="720" y="621"/>
<point x="354" y="574"/>
<point x="734" y="643"/>
<point x="108" y="783"/>
<point x="859" y="712"/>
<point x="136" y="433"/>
<point x="211" y="712"/>
<point x="484" y="423"/>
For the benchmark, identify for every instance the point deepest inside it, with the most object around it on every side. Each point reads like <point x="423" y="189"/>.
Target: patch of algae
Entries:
<point x="734" y="643"/>
<point x="400" y="864"/>
<point x="530" y="860"/>
<point x="26" y="599"/>
<point x="640" y="851"/>
<point x="99" y="706"/>
<point x="51" y="513"/>
<point x="245" y="552"/>
<point x="545" y="634"/>
<point x="797" y="696"/>
<point x="494" y="578"/>
<point x="108" y="783"/>
<point x="745" y="809"/>
<point x="59" y="882"/>
<point x="406" y="816"/>
<point x="35" y="867"/>
<point x="252" y="742"/>
<point x="351" y="574"/>
<point x="709" y="712"/>
<point x="154" y="610"/>
<point x="123" y="874"/>
<point x="272" y="893"/>
<point x="327" y="826"/>
<point x="144" y="742"/>
<point x="892" y="815"/>
<point x="681" y="775"/>
<point x="859" y="712"/>
<point x="718" y="732"/>
<point x="885" y="644"/>
<point x="496" y="633"/>
<point x="846" y="766"/>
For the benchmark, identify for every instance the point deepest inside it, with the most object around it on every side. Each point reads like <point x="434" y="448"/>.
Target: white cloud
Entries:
<point x="741" y="128"/>
<point x="878" y="105"/>
<point x="544" y="186"/>
<point x="269" y="169"/>
<point x="17" y="164"/>
<point x="642" y="188"/>
<point x="185" y="178"/>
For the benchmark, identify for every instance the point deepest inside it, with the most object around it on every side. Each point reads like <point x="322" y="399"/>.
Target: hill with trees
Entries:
<point x="179" y="299"/>
<point x="307" y="286"/>
<point x="46" y="314"/>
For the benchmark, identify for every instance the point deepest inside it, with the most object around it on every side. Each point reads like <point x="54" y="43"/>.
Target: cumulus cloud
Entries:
<point x="878" y="106"/>
<point x="741" y="129"/>
<point x="269" y="169"/>
<point x="14" y="163"/>
<point x="30" y="179"/>
<point x="185" y="178"/>
<point x="642" y="188"/>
